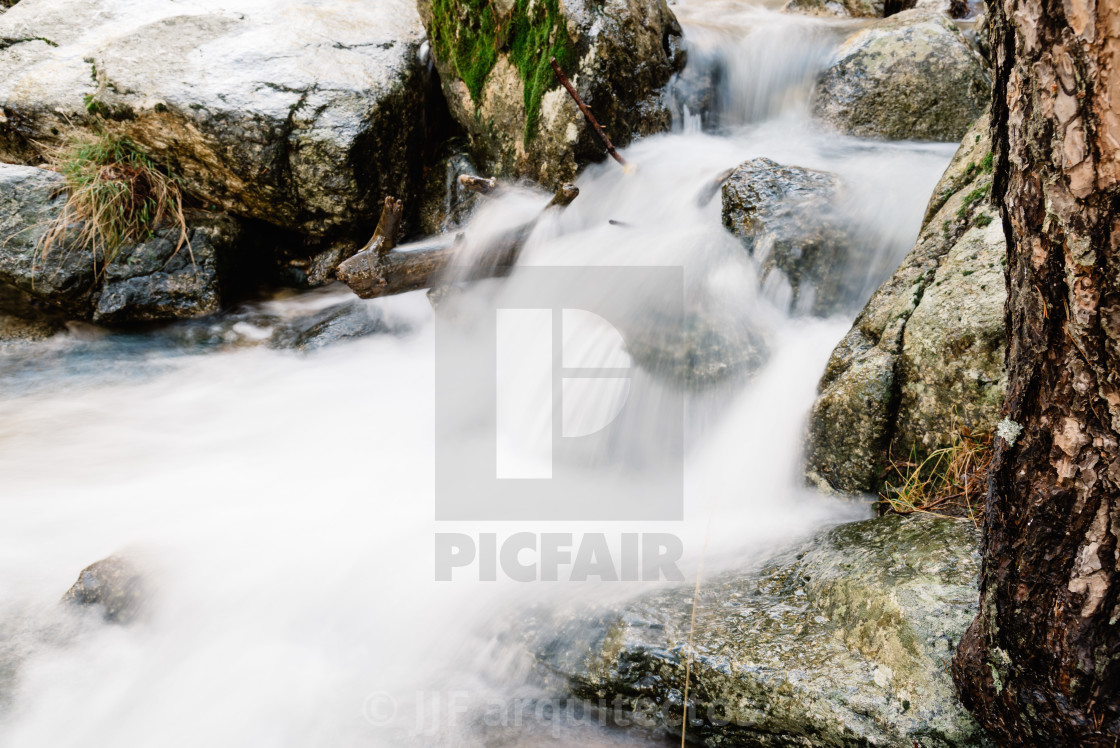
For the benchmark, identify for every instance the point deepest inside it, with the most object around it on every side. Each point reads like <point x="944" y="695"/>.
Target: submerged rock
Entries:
<point x="302" y="115"/>
<point x="785" y="217"/>
<point x="152" y="280"/>
<point x="843" y="8"/>
<point x="493" y="61"/>
<point x="115" y="585"/>
<point x="700" y="350"/>
<point x="925" y="356"/>
<point x="844" y="640"/>
<point x="912" y="76"/>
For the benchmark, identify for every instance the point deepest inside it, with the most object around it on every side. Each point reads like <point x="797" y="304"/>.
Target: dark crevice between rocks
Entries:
<point x="6" y="42"/>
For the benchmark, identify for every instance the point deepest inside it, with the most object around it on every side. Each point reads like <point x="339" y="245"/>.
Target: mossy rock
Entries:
<point x="842" y="640"/>
<point x="925" y="356"/>
<point x="912" y="76"/>
<point x="494" y="63"/>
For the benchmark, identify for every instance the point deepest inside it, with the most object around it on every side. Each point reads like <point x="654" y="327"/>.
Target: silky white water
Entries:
<point x="284" y="502"/>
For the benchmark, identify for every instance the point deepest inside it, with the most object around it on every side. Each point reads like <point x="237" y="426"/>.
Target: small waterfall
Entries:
<point x="289" y="499"/>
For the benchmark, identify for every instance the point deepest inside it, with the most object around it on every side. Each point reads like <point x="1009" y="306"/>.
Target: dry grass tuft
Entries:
<point x="951" y="480"/>
<point x="116" y="194"/>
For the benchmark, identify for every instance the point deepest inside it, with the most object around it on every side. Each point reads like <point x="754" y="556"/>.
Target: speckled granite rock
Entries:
<point x="908" y="77"/>
<point x="925" y="356"/>
<point x="843" y="640"/>
<point x="304" y="115"/>
<point x="842" y="8"/>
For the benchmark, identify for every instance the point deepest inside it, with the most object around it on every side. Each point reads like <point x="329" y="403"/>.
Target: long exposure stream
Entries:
<point x="284" y="501"/>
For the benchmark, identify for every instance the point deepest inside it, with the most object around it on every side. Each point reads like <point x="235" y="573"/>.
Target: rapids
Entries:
<point x="285" y="501"/>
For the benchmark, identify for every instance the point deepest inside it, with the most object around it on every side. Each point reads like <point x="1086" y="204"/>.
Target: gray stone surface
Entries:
<point x="301" y="114"/>
<point x="912" y="76"/>
<point x="784" y="217"/>
<point x="925" y="356"/>
<point x="844" y="640"/>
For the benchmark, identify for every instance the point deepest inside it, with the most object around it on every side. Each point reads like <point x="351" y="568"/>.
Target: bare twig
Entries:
<point x="586" y="112"/>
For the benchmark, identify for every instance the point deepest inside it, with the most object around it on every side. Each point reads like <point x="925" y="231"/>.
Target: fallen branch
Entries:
<point x="586" y="112"/>
<point x="478" y="184"/>
<point x="375" y="272"/>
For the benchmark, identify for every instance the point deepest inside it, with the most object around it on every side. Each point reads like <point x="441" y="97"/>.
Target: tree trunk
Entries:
<point x="1040" y="665"/>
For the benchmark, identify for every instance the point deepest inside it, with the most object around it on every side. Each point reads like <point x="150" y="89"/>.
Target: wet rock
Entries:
<point x="351" y="319"/>
<point x="445" y="204"/>
<point x="842" y="8"/>
<point x="843" y="640"/>
<point x="912" y="76"/>
<point x="698" y="351"/>
<point x="152" y="280"/>
<point x="159" y="279"/>
<point x="302" y="115"/>
<point x="925" y="356"/>
<point x="303" y="322"/>
<point x="785" y="218"/>
<point x="493" y="61"/>
<point x="115" y="585"/>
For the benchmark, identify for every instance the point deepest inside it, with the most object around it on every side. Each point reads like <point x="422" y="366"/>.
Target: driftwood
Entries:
<point x="376" y="271"/>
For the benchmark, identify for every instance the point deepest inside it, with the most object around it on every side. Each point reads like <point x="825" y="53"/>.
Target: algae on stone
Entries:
<point x="842" y="640"/>
<point x="908" y="77"/>
<point x="493" y="59"/>
<point x="925" y="356"/>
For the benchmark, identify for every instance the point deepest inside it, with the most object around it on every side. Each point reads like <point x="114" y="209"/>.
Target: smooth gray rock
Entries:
<point x="925" y="356"/>
<point x="912" y="76"/>
<point x="500" y="88"/>
<point x="785" y="217"/>
<point x="300" y="114"/>
<point x="844" y="640"/>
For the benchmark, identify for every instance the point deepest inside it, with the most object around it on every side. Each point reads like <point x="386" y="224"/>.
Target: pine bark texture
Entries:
<point x="1040" y="665"/>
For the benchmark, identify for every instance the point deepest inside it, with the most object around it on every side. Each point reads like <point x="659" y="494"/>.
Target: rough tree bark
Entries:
<point x="1040" y="665"/>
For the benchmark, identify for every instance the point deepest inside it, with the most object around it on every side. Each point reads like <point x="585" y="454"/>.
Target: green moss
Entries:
<point x="538" y="32"/>
<point x="465" y="34"/>
<point x="468" y="35"/>
<point x="983" y="220"/>
<point x="988" y="163"/>
<point x="971" y="199"/>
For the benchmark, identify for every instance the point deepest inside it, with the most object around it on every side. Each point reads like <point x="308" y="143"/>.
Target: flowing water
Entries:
<point x="283" y="502"/>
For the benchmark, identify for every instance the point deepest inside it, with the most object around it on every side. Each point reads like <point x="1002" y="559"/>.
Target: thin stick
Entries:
<point x="586" y="112"/>
<point x="692" y="631"/>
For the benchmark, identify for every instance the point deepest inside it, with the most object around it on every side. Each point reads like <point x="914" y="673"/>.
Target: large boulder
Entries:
<point x="844" y="640"/>
<point x="785" y="217"/>
<point x="912" y="76"/>
<point x="155" y="279"/>
<point x="493" y="61"/>
<point x="304" y="115"/>
<point x="925" y="357"/>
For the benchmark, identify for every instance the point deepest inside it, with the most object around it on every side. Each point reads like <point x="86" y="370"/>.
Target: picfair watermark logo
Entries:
<point x="538" y="415"/>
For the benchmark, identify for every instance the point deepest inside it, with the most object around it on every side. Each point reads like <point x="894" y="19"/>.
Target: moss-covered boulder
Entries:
<point x="785" y="217"/>
<point x="912" y="76"/>
<point x="844" y="640"/>
<point x="304" y="115"/>
<point x="158" y="278"/>
<point x="493" y="59"/>
<point x="925" y="356"/>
